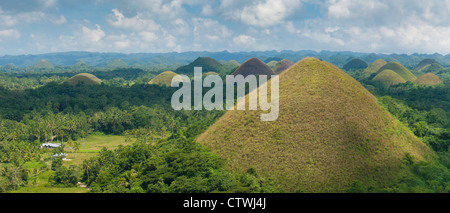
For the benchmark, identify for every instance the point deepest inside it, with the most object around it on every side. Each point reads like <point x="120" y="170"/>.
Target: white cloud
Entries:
<point x="23" y="18"/>
<point x="331" y="29"/>
<point x="172" y="9"/>
<point x="117" y="19"/>
<point x="122" y="44"/>
<point x="163" y="9"/>
<point x="207" y="10"/>
<point x="262" y="13"/>
<point x="93" y="35"/>
<point x="244" y="40"/>
<point x="339" y="10"/>
<point x="171" y="41"/>
<point x="401" y="26"/>
<point x="210" y="30"/>
<point x="352" y="9"/>
<point x="10" y="33"/>
<point x="180" y="27"/>
<point x="60" y="20"/>
<point x="49" y="3"/>
<point x="148" y="36"/>
<point x="6" y="20"/>
<point x="290" y="27"/>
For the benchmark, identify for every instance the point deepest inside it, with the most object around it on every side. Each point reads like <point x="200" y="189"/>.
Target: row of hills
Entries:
<point x="380" y="71"/>
<point x="150" y="59"/>
<point x="427" y="72"/>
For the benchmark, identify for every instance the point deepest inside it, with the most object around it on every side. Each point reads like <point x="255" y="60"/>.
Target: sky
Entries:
<point x="154" y="26"/>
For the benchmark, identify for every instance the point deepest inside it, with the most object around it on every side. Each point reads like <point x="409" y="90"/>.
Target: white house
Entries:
<point x="50" y="145"/>
<point x="60" y="155"/>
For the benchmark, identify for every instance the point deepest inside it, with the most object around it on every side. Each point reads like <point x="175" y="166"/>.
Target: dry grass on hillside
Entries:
<point x="399" y="69"/>
<point x="283" y="65"/>
<point x="373" y="68"/>
<point x="429" y="79"/>
<point x="253" y="66"/>
<point x="164" y="78"/>
<point x="388" y="78"/>
<point x="84" y="78"/>
<point x="330" y="132"/>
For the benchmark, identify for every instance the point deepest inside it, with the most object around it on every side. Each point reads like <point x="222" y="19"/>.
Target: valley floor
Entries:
<point x="38" y="181"/>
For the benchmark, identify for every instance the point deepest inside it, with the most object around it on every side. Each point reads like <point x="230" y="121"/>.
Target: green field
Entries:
<point x="40" y="184"/>
<point x="38" y="179"/>
<point x="92" y="145"/>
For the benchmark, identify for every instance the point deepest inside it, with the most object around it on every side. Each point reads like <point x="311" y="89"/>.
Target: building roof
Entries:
<point x="52" y="145"/>
<point x="59" y="155"/>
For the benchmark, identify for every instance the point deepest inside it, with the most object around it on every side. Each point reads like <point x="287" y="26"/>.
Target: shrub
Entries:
<point x="64" y="177"/>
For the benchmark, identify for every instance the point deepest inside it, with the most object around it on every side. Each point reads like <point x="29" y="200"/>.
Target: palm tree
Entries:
<point x="71" y="143"/>
<point x="76" y="147"/>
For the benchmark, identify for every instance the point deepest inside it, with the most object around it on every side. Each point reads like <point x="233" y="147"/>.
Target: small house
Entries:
<point x="60" y="155"/>
<point x="50" y="145"/>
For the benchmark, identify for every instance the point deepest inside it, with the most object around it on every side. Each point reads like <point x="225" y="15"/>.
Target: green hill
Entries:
<point x="9" y="68"/>
<point x="208" y="65"/>
<point x="253" y="66"/>
<point x="235" y="62"/>
<point x="425" y="63"/>
<point x="355" y="64"/>
<point x="84" y="78"/>
<point x="431" y="68"/>
<point x="330" y="132"/>
<point x="268" y="60"/>
<point x="428" y="79"/>
<point x="283" y="65"/>
<point x="272" y="64"/>
<point x="399" y="69"/>
<point x="117" y="63"/>
<point x="43" y="64"/>
<point x="165" y="78"/>
<point x="373" y="68"/>
<point x="388" y="78"/>
<point x="230" y="66"/>
<point x="80" y="64"/>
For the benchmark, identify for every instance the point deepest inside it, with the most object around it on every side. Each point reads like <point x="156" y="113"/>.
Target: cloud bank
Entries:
<point x="382" y="26"/>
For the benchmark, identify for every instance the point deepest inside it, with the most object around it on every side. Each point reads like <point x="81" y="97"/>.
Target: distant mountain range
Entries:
<point x="147" y="59"/>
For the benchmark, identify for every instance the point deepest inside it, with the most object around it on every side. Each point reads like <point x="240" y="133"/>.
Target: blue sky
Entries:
<point x="381" y="26"/>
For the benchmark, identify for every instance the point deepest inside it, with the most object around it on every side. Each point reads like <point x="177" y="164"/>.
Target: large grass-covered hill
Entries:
<point x="330" y="133"/>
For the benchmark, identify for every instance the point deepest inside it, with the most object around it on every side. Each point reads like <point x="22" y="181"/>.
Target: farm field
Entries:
<point x="90" y="148"/>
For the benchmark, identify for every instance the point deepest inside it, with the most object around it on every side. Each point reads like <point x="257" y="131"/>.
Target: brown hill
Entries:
<point x="428" y="79"/>
<point x="283" y="65"/>
<point x="330" y="132"/>
<point x="253" y="66"/>
<point x="165" y="78"/>
<point x="388" y="78"/>
<point x="84" y="78"/>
